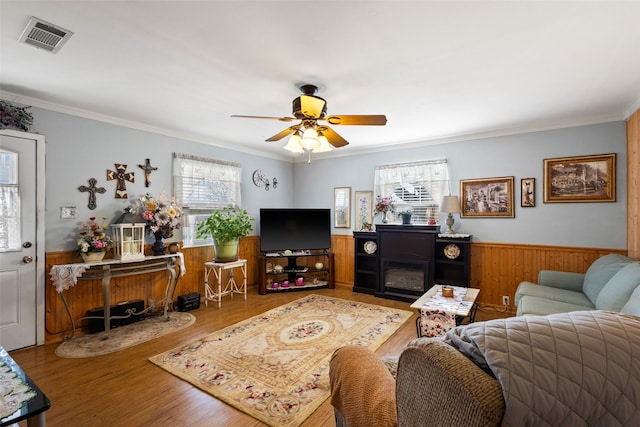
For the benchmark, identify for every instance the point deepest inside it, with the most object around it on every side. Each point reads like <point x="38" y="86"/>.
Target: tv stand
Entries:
<point x="280" y="272"/>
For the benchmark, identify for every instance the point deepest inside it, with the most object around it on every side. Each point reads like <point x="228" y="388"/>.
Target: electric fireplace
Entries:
<point x="406" y="261"/>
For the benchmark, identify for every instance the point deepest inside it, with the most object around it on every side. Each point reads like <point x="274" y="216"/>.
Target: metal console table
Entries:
<point x="65" y="276"/>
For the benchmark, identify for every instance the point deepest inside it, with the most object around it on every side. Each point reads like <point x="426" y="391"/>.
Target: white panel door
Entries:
<point x="18" y="256"/>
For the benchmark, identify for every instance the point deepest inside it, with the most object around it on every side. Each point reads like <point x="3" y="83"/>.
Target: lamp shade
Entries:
<point x="294" y="143"/>
<point x="450" y="204"/>
<point x="324" y="144"/>
<point x="310" y="139"/>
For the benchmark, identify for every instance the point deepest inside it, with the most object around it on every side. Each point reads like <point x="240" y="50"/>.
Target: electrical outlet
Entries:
<point x="505" y="300"/>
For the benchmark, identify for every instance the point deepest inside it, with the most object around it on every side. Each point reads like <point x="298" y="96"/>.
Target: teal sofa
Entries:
<point x="611" y="283"/>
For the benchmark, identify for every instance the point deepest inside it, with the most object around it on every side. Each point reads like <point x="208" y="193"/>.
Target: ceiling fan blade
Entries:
<point x="282" y="119"/>
<point x="288" y="131"/>
<point x="333" y="137"/>
<point x="366" y="120"/>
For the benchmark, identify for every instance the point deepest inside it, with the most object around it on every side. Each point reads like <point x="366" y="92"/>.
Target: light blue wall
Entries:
<point x="601" y="225"/>
<point x="78" y="149"/>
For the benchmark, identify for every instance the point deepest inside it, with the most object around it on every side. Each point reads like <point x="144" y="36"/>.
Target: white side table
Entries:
<point x="231" y="287"/>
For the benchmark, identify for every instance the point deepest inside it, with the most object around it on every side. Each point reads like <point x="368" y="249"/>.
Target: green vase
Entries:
<point x="226" y="251"/>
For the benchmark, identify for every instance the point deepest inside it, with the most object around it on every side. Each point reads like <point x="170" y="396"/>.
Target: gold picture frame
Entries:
<point x="342" y="207"/>
<point x="580" y="179"/>
<point x="363" y="210"/>
<point x="527" y="192"/>
<point x="487" y="197"/>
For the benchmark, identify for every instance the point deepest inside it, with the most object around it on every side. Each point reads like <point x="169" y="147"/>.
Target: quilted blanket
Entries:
<point x="569" y="369"/>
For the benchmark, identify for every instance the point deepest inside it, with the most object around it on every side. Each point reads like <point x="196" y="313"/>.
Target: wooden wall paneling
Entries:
<point x="496" y="269"/>
<point x="88" y="294"/>
<point x="633" y="185"/>
<point x="342" y="247"/>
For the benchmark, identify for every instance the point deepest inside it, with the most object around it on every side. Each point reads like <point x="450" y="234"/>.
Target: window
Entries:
<point x="418" y="186"/>
<point x="201" y="185"/>
<point x="9" y="202"/>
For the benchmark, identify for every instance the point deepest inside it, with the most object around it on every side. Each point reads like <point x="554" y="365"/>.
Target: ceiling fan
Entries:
<point x="311" y="109"/>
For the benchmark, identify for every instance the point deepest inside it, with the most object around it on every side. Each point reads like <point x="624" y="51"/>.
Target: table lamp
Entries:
<point x="450" y="205"/>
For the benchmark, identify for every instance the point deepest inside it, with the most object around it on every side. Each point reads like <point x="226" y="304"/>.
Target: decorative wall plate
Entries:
<point x="452" y="251"/>
<point x="370" y="247"/>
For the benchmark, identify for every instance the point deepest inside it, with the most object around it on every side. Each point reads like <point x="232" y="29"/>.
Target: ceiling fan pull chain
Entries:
<point x="309" y="151"/>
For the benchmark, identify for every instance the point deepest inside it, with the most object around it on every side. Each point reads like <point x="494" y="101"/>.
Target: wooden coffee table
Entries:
<point x="462" y="303"/>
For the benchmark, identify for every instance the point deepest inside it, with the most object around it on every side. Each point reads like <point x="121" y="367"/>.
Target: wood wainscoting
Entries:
<point x="496" y="269"/>
<point x="88" y="294"/>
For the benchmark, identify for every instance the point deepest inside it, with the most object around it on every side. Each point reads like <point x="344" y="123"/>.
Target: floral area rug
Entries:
<point x="275" y="366"/>
<point x="90" y="345"/>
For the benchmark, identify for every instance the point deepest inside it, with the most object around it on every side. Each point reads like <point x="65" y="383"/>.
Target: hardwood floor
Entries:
<point x="125" y="389"/>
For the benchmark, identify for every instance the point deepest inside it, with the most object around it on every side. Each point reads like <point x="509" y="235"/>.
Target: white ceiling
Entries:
<point x="440" y="71"/>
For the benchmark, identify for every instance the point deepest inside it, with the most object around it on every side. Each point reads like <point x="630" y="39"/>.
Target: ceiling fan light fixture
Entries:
<point x="293" y="144"/>
<point x="310" y="139"/>
<point x="324" y="144"/>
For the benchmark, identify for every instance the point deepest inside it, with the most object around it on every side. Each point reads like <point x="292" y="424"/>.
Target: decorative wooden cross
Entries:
<point x="121" y="176"/>
<point x="147" y="168"/>
<point x="92" y="189"/>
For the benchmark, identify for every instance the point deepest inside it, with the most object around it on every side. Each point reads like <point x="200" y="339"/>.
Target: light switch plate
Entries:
<point x="67" y="212"/>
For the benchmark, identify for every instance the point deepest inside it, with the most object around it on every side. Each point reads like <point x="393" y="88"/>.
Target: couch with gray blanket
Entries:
<point x="611" y="283"/>
<point x="575" y="369"/>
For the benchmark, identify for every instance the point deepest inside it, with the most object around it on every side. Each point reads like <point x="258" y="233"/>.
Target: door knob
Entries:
<point x="27" y="259"/>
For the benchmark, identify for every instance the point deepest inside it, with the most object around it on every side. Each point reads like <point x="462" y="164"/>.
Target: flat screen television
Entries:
<point x="294" y="229"/>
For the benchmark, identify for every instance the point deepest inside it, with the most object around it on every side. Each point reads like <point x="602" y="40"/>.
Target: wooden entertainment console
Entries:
<point x="279" y="271"/>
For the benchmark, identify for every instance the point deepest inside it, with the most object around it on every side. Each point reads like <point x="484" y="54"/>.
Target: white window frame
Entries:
<point x="201" y="185"/>
<point x="419" y="186"/>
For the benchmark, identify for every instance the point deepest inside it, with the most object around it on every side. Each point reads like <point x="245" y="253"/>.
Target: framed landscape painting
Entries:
<point x="488" y="197"/>
<point x="580" y="179"/>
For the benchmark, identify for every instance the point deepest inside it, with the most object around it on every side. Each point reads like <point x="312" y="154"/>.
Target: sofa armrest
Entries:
<point x="561" y="279"/>
<point x="362" y="388"/>
<point x="437" y="385"/>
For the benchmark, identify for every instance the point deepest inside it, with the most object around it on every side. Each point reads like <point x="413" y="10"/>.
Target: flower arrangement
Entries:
<point x="384" y="204"/>
<point x="15" y="117"/>
<point x="93" y="238"/>
<point x="161" y="213"/>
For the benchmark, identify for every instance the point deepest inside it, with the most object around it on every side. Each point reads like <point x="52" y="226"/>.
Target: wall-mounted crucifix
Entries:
<point x="92" y="190"/>
<point x="147" y="168"/>
<point x="121" y="176"/>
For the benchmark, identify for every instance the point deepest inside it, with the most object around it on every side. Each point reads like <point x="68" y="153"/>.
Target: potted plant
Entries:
<point x="406" y="215"/>
<point x="225" y="226"/>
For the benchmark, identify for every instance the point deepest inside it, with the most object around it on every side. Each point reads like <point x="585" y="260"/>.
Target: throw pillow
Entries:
<point x="633" y="305"/>
<point x="600" y="272"/>
<point x="618" y="290"/>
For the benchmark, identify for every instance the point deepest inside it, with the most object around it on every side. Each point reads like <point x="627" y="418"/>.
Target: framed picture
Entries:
<point x="488" y="197"/>
<point x="528" y="192"/>
<point x="342" y="207"/>
<point x="364" y="210"/>
<point x="580" y="179"/>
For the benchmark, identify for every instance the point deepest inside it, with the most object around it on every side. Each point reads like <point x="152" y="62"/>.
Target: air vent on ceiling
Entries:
<point x="44" y="35"/>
